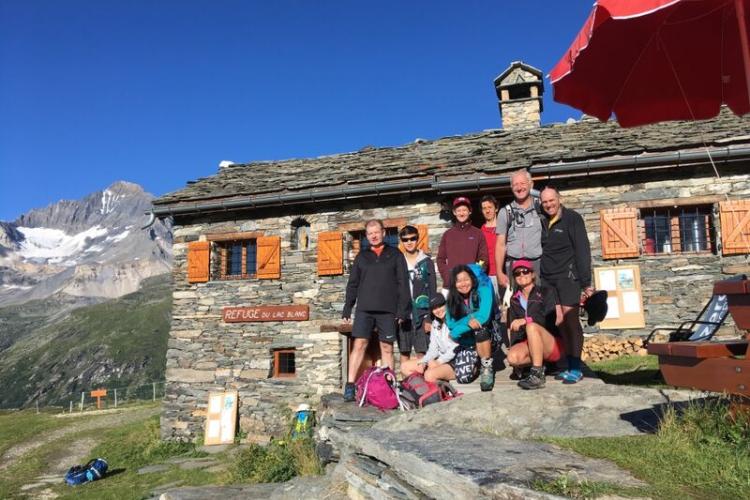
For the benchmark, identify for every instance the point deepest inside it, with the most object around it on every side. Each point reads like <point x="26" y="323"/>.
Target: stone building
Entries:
<point x="671" y="199"/>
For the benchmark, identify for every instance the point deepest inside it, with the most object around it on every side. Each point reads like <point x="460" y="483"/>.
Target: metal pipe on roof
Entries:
<point x="587" y="167"/>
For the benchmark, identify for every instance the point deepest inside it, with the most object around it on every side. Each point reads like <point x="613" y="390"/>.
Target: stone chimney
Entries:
<point x="519" y="92"/>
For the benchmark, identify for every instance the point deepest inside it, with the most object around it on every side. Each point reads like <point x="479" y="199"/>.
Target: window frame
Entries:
<point x="277" y="373"/>
<point x="220" y="265"/>
<point x="675" y="213"/>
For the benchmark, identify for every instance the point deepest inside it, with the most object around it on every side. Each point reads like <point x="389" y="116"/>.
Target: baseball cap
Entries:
<point x="461" y="200"/>
<point x="437" y="301"/>
<point x="522" y="263"/>
<point x="596" y="307"/>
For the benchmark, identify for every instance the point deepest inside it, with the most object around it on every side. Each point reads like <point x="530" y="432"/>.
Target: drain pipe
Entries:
<point x="433" y="185"/>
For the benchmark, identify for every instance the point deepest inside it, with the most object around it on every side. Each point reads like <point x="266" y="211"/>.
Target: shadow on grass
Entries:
<point x="642" y="377"/>
<point x="115" y="472"/>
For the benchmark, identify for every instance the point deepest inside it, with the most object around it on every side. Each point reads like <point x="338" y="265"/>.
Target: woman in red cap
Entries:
<point x="533" y="317"/>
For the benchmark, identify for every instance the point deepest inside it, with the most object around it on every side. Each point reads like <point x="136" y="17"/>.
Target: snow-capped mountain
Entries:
<point x="93" y="247"/>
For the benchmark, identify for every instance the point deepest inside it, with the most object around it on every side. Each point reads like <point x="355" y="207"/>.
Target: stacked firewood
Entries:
<point x="602" y="348"/>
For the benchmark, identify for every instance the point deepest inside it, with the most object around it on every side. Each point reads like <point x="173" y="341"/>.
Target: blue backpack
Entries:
<point x="80" y="474"/>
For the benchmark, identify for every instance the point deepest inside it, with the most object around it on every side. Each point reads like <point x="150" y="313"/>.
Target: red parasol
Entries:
<point x="655" y="60"/>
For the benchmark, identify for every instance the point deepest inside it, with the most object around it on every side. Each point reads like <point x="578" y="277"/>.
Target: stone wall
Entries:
<point x="205" y="354"/>
<point x="675" y="287"/>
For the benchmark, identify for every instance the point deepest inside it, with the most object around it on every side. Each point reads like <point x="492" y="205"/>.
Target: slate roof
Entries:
<point x="486" y="153"/>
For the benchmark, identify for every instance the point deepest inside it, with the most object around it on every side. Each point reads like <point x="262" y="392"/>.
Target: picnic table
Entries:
<point x="717" y="366"/>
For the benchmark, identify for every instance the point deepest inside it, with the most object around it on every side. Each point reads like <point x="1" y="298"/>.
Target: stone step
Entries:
<point x="449" y="462"/>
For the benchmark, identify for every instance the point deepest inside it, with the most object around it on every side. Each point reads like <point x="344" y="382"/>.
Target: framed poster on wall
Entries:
<point x="221" y="418"/>
<point x="625" y="301"/>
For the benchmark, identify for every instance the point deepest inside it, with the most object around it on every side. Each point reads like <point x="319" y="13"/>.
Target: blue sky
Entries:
<point x="158" y="92"/>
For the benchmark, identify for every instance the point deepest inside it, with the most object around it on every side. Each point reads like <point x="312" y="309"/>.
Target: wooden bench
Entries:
<point x="713" y="366"/>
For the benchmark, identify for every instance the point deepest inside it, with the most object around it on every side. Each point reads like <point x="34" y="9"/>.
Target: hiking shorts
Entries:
<point x="558" y="351"/>
<point x="568" y="290"/>
<point x="410" y="338"/>
<point x="366" y="321"/>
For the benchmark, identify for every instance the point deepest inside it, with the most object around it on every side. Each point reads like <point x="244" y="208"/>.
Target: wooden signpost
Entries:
<point x="265" y="313"/>
<point x="98" y="394"/>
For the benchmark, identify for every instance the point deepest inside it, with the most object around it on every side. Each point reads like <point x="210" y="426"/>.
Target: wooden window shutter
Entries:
<point x="269" y="257"/>
<point x="330" y="253"/>
<point x="197" y="261"/>
<point x="619" y="232"/>
<point x="735" y="226"/>
<point x="423" y="243"/>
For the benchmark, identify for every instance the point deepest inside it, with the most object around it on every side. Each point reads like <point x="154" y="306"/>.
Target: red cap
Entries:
<point x="462" y="200"/>
<point x="522" y="263"/>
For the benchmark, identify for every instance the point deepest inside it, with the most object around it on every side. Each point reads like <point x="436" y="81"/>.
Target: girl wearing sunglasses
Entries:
<point x="533" y="317"/>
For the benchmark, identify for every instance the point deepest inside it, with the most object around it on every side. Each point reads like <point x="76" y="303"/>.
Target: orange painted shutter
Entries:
<point x="269" y="257"/>
<point x="330" y="253"/>
<point x="735" y="226"/>
<point x="619" y="228"/>
<point x="424" y="238"/>
<point x="197" y="261"/>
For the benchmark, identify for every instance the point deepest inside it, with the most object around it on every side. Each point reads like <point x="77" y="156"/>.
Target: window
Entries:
<point x="237" y="259"/>
<point x="686" y="229"/>
<point x="356" y="241"/>
<point x="284" y="363"/>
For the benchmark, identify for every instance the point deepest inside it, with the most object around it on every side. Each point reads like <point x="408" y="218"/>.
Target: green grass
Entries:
<point x="701" y="453"/>
<point x="278" y="462"/>
<point x="630" y="370"/>
<point x="129" y="447"/>
<point x="19" y="426"/>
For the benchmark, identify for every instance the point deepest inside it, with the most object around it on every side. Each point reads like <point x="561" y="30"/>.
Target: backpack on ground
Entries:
<point x="416" y="392"/>
<point x="93" y="470"/>
<point x="377" y="387"/>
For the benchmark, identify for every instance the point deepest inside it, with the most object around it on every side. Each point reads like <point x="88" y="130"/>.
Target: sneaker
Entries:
<point x="350" y="392"/>
<point x="535" y="380"/>
<point x="572" y="377"/>
<point x="486" y="375"/>
<point x="562" y="375"/>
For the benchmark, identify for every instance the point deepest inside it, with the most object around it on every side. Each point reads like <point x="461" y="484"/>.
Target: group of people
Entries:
<point x="530" y="260"/>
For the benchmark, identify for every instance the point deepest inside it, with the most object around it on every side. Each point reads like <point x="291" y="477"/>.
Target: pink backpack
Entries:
<point x="377" y="387"/>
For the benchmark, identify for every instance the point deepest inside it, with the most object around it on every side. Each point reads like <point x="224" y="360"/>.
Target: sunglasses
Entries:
<point x="521" y="272"/>
<point x="406" y="240"/>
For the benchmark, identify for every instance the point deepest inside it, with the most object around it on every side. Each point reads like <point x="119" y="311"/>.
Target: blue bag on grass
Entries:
<point x="80" y="474"/>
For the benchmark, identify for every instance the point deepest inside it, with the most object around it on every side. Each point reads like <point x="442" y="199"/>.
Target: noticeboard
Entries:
<point x="221" y="418"/>
<point x="625" y="300"/>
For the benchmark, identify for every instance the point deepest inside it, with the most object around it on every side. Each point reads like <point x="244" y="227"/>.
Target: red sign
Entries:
<point x="265" y="313"/>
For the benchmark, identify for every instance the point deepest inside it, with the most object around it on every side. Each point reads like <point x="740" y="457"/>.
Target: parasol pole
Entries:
<point x="739" y="9"/>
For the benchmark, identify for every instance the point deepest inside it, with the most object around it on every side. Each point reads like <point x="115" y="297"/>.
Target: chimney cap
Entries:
<point x="514" y="66"/>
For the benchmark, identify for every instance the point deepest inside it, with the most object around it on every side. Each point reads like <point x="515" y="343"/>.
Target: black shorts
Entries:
<point x="366" y="321"/>
<point x="568" y="290"/>
<point x="409" y="338"/>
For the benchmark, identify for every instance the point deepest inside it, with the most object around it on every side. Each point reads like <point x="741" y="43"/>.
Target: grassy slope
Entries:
<point x="134" y="445"/>
<point x="77" y="352"/>
<point x="701" y="453"/>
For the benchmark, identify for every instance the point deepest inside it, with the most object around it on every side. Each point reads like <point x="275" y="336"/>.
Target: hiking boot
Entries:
<point x="572" y="377"/>
<point x="486" y="375"/>
<point x="562" y="375"/>
<point x="350" y="392"/>
<point x="535" y="380"/>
